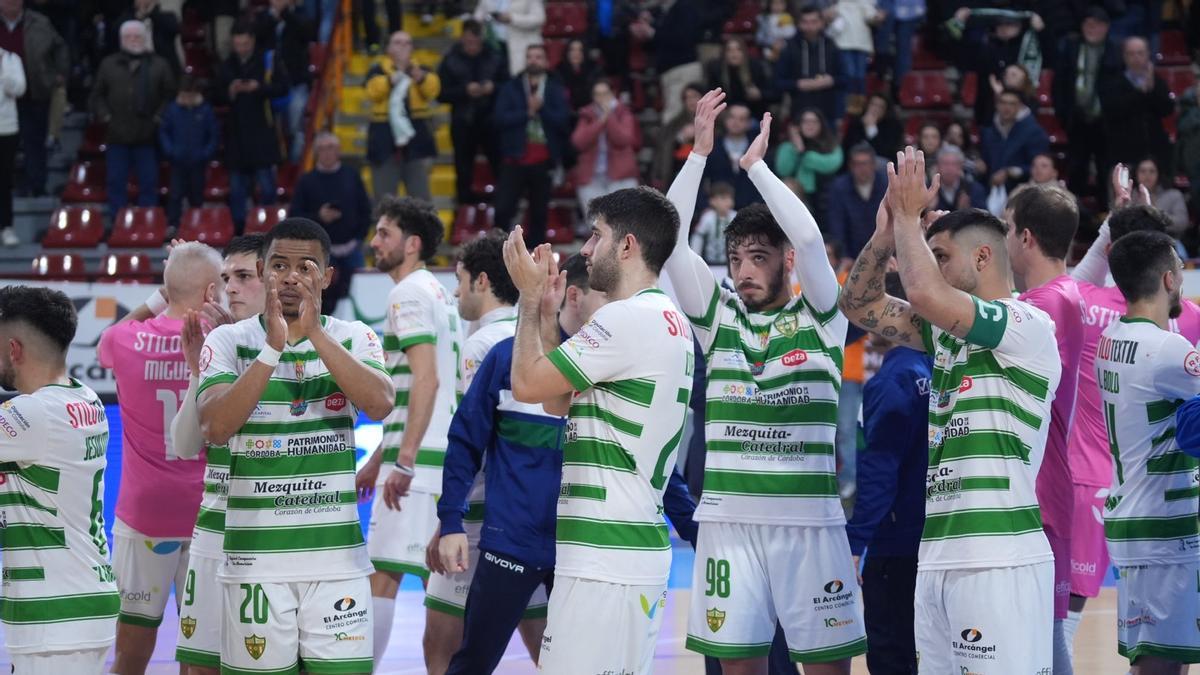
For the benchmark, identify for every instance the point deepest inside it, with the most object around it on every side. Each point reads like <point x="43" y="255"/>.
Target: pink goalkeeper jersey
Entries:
<point x="160" y="492"/>
<point x="1060" y="298"/>
<point x="1091" y="461"/>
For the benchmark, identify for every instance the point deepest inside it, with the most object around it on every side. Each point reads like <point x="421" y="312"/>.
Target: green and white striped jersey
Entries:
<point x="498" y="324"/>
<point x="1145" y="373"/>
<point x="59" y="592"/>
<point x="420" y="311"/>
<point x="292" y="511"/>
<point x="771" y="412"/>
<point x="208" y="536"/>
<point x="632" y="364"/>
<point x="989" y="415"/>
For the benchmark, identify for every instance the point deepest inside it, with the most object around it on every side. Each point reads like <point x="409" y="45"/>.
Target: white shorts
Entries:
<point x="86" y="662"/>
<point x="396" y="540"/>
<point x="145" y="568"/>
<point x="747" y="576"/>
<point x="598" y="627"/>
<point x="448" y="593"/>
<point x="198" y="641"/>
<point x="317" y="626"/>
<point x="1158" y="612"/>
<point x="988" y="621"/>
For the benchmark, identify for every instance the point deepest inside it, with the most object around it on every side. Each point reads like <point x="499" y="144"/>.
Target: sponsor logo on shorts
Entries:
<point x="335" y="402"/>
<point x="504" y="564"/>
<point x="971" y="635"/>
<point x="651" y="607"/>
<point x="1145" y="618"/>
<point x="163" y="547"/>
<point x="187" y="626"/>
<point x="972" y="645"/>
<point x="834" y="586"/>
<point x="1079" y="567"/>
<point x="345" y="604"/>
<point x="346" y="614"/>
<point x="835" y="596"/>
<point x="716" y="619"/>
<point x="255" y="646"/>
<point x="832" y="622"/>
<point x="341" y="636"/>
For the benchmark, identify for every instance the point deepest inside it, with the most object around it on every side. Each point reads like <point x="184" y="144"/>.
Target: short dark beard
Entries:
<point x="604" y="275"/>
<point x="8" y="380"/>
<point x="774" y="291"/>
<point x="1176" y="307"/>
<point x="383" y="264"/>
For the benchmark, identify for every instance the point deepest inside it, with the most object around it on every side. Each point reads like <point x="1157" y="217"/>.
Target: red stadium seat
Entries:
<point x="85" y="183"/>
<point x="1049" y="122"/>
<point x="127" y="268"/>
<point x="1045" y="90"/>
<point x="261" y="219"/>
<point x="139" y="227"/>
<point x="198" y="61"/>
<point x="193" y="29"/>
<point x="565" y="190"/>
<point x="924" y="90"/>
<point x="1171" y="125"/>
<point x="565" y="19"/>
<point x="59" y="266"/>
<point x="556" y="49"/>
<point x="216" y="182"/>
<point x="744" y="19"/>
<point x="1178" y="79"/>
<point x="968" y="88"/>
<point x="1174" y="48"/>
<point x="923" y="58"/>
<point x="560" y="225"/>
<point x="912" y="125"/>
<point x="483" y="182"/>
<point x="316" y="57"/>
<point x="285" y="182"/>
<point x="93" y="145"/>
<point x="471" y="221"/>
<point x="212" y="225"/>
<point x="74" y="227"/>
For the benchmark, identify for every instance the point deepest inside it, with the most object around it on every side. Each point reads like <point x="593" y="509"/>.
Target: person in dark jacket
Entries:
<point x="44" y="55"/>
<point x="163" y="28"/>
<point x="674" y="35"/>
<point x="285" y="30"/>
<point x="810" y="67"/>
<point x="578" y="73"/>
<point x="854" y="197"/>
<point x="530" y="120"/>
<point x="470" y="74"/>
<point x="132" y="89"/>
<point x="889" y="513"/>
<point x="958" y="191"/>
<point x="744" y="80"/>
<point x="333" y="195"/>
<point x="1135" y="104"/>
<point x="728" y="148"/>
<point x="877" y="125"/>
<point x="252" y="144"/>
<point x="1010" y="143"/>
<point x="188" y="137"/>
<point x="1085" y="62"/>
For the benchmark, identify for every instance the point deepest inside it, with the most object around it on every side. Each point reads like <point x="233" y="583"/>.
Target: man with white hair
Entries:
<point x="160" y="490"/>
<point x="132" y="88"/>
<point x="958" y="190"/>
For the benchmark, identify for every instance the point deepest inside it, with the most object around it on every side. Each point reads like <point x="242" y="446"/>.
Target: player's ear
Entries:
<point x="483" y="281"/>
<point x="261" y="267"/>
<point x="327" y="278"/>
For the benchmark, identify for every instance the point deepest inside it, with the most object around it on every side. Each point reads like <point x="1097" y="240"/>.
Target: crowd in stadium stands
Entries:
<point x="577" y="99"/>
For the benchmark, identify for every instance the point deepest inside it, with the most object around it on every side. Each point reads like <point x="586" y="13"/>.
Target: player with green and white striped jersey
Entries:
<point x="198" y="642"/>
<point x="59" y="596"/>
<point x="984" y="558"/>
<point x="772" y="526"/>
<point x="422" y="341"/>
<point x="1145" y="372"/>
<point x="284" y="390"/>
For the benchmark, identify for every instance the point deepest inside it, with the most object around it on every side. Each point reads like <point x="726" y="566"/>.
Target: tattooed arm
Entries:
<point x="863" y="299"/>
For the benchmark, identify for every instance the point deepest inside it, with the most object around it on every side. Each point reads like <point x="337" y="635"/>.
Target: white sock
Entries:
<point x="1062" y="655"/>
<point x="1070" y="625"/>
<point x="383" y="611"/>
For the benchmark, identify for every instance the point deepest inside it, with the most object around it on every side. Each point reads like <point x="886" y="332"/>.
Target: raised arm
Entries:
<point x="186" y="437"/>
<point x="225" y="399"/>
<point x="534" y="378"/>
<point x="817" y="278"/>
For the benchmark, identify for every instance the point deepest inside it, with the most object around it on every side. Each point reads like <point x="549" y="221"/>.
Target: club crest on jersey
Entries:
<point x="788" y="324"/>
<point x="255" y="646"/>
<point x="187" y="626"/>
<point x="335" y="401"/>
<point x="716" y="619"/>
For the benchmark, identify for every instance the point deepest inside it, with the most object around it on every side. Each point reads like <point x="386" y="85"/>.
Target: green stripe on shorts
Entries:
<point x="338" y="666"/>
<point x="1174" y="653"/>
<point x="293" y="669"/>
<point x="439" y="605"/>
<point x="400" y="568"/>
<point x="727" y="651"/>
<point x="138" y="620"/>
<point x="195" y="657"/>
<point x="834" y="653"/>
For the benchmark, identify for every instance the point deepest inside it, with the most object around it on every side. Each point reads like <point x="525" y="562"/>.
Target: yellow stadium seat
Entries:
<point x="354" y="101"/>
<point x="441" y="181"/>
<point x="358" y="65"/>
<point x="441" y="136"/>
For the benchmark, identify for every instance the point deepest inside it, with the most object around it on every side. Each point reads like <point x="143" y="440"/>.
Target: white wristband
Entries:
<point x="268" y="356"/>
<point x="156" y="303"/>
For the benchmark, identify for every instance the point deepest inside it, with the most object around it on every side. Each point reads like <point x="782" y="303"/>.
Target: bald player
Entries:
<point x="160" y="491"/>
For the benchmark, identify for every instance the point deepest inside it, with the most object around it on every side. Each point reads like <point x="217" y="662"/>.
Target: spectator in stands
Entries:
<point x="775" y="27"/>
<point x="929" y="139"/>
<point x="1085" y="62"/>
<point x="188" y="137"/>
<point x="12" y="86"/>
<point x="1010" y="143"/>
<point x="745" y="80"/>
<point x="811" y="157"/>
<point x="251" y="144"/>
<point x="516" y="23"/>
<point x="609" y="31"/>
<point x="607" y="138"/>
<point x="728" y="148"/>
<point x="877" y="126"/>
<point x="956" y="135"/>
<point x="1187" y="138"/>
<point x="333" y="195"/>
<point x="958" y="191"/>
<point x="400" y="145"/>
<point x="162" y="28"/>
<point x="674" y="35"/>
<point x="578" y="73"/>
<point x="43" y="53"/>
<point x="894" y="36"/>
<point x="223" y="14"/>
<point x="1165" y="198"/>
<point x="1135" y="104"/>
<point x="427" y="9"/>
<point x="1043" y="172"/>
<point x="370" y="19"/>
<point x="708" y="237"/>
<point x="286" y="31"/>
<point x="810" y="68"/>
<point x="531" y="122"/>
<point x="131" y="91"/>
<point x="854" y="197"/>
<point x="850" y="23"/>
<point x="1014" y="37"/>
<point x="470" y="73"/>
<point x="675" y="138"/>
